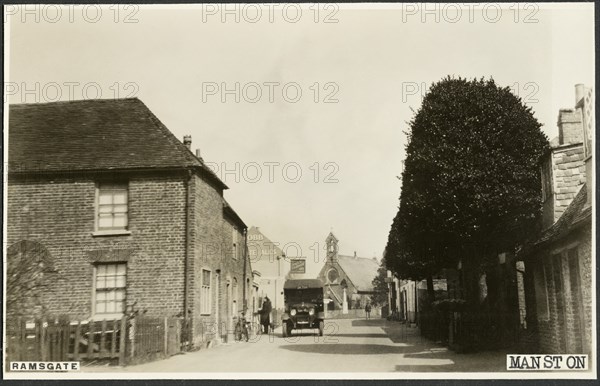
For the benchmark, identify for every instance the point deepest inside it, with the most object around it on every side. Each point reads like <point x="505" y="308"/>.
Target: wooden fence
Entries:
<point x="153" y="338"/>
<point x="123" y="341"/>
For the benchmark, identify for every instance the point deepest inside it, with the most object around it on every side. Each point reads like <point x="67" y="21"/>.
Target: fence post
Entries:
<point x="76" y="343"/>
<point x="122" y="337"/>
<point x="66" y="335"/>
<point x="21" y="335"/>
<point x="178" y="334"/>
<point x="132" y="336"/>
<point x="43" y="337"/>
<point x="90" y="348"/>
<point x="102" y="338"/>
<point x="113" y="340"/>
<point x="38" y="335"/>
<point x="166" y="336"/>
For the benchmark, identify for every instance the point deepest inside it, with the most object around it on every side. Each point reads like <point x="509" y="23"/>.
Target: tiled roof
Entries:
<point x="574" y="215"/>
<point x="360" y="270"/>
<point x="100" y="134"/>
<point x="228" y="210"/>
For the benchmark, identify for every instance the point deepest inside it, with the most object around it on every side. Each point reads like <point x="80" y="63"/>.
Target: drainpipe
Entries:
<point x="188" y="240"/>
<point x="245" y="265"/>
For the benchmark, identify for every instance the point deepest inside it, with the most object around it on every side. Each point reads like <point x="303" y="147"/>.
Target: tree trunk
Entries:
<point x="430" y="289"/>
<point x="471" y="276"/>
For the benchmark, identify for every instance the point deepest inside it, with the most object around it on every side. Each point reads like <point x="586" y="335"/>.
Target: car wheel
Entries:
<point x="288" y="327"/>
<point x="321" y="327"/>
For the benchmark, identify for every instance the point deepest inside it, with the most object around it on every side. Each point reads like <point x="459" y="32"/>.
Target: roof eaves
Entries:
<point x="52" y="172"/>
<point x="228" y="210"/>
<point x="573" y="217"/>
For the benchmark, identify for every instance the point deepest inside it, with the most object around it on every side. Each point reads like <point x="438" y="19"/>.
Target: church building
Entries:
<point x="347" y="279"/>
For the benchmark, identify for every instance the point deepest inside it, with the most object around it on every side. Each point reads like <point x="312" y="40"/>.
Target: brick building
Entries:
<point x="347" y="279"/>
<point x="111" y="214"/>
<point x="559" y="294"/>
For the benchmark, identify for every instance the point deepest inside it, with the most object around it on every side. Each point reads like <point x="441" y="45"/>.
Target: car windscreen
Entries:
<point x="308" y="295"/>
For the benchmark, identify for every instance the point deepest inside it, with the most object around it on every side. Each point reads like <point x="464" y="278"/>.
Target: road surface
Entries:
<point x="348" y="345"/>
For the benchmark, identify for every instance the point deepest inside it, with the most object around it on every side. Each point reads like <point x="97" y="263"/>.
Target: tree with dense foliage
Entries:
<point x="380" y="286"/>
<point x="471" y="181"/>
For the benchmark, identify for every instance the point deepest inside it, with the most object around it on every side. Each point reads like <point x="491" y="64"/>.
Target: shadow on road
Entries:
<point x="427" y="368"/>
<point x="403" y="334"/>
<point x="368" y="322"/>
<point x="463" y="366"/>
<point x="359" y="335"/>
<point x="348" y="348"/>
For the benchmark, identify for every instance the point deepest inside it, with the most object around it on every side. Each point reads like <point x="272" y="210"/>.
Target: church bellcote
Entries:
<point x="332" y="247"/>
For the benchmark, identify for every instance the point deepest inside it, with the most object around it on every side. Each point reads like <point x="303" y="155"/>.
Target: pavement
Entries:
<point x="348" y="345"/>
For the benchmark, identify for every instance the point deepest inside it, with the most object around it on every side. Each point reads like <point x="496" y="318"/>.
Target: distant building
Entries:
<point x="268" y="259"/>
<point x="406" y="297"/>
<point x="559" y="292"/>
<point x="114" y="215"/>
<point x="347" y="279"/>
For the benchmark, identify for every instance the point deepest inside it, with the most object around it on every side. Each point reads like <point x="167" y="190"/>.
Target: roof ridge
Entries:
<point x="171" y="137"/>
<point x="71" y="127"/>
<point x="195" y="161"/>
<point x="73" y="101"/>
<point x="358" y="257"/>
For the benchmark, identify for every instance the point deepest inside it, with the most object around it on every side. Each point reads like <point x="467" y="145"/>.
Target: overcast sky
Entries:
<point x="371" y="65"/>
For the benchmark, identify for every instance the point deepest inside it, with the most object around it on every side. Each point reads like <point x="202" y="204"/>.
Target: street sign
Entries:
<point x="298" y="266"/>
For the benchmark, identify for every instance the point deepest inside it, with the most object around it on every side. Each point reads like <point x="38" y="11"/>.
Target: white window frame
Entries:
<point x="205" y="292"/>
<point x="98" y="231"/>
<point x="107" y="315"/>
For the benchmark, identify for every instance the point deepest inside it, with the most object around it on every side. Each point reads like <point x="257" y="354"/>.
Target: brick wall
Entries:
<point x="587" y="291"/>
<point x="567" y="326"/>
<point x="60" y="214"/>
<point x="212" y="245"/>
<point x="568" y="175"/>
<point x="570" y="126"/>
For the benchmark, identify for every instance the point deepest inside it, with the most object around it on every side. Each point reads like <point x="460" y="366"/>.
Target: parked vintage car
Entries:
<point x="303" y="300"/>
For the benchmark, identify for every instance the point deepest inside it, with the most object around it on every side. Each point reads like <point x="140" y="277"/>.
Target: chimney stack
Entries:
<point x="187" y="141"/>
<point x="568" y="166"/>
<point x="579" y="92"/>
<point x="198" y="155"/>
<point x="570" y="129"/>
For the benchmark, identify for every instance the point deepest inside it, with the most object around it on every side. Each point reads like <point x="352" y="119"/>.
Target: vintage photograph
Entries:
<point x="299" y="191"/>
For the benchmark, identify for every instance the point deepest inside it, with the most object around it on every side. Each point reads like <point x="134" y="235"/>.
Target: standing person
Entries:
<point x="368" y="310"/>
<point x="265" y="314"/>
